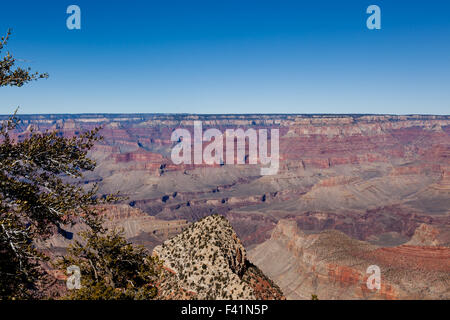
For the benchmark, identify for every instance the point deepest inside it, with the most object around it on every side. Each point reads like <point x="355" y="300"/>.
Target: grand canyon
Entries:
<point x="351" y="191"/>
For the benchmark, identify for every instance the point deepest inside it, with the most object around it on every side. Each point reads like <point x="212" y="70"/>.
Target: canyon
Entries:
<point x="379" y="185"/>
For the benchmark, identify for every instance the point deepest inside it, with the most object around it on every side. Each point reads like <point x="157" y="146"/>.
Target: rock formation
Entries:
<point x="432" y="236"/>
<point x="208" y="261"/>
<point x="333" y="266"/>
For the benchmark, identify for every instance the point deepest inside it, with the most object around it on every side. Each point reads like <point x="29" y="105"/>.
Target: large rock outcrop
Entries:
<point x="208" y="261"/>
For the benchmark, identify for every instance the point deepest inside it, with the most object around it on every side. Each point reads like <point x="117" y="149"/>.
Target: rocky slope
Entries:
<point x="208" y="261"/>
<point x="333" y="266"/>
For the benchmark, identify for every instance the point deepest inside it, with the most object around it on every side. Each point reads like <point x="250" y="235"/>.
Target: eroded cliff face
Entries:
<point x="333" y="266"/>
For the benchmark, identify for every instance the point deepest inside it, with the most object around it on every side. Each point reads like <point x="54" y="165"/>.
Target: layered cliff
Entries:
<point x="333" y="266"/>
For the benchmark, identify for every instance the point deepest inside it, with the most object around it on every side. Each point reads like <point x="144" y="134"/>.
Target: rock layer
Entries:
<point x="333" y="266"/>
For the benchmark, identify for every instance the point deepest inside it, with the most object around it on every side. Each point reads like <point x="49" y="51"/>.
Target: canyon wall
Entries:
<point x="331" y="265"/>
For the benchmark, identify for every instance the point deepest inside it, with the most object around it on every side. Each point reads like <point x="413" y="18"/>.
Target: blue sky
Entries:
<point x="231" y="56"/>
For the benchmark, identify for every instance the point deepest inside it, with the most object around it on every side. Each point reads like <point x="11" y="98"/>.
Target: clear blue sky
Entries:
<point x="231" y="56"/>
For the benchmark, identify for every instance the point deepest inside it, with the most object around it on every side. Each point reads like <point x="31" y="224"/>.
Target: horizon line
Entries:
<point x="222" y="114"/>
